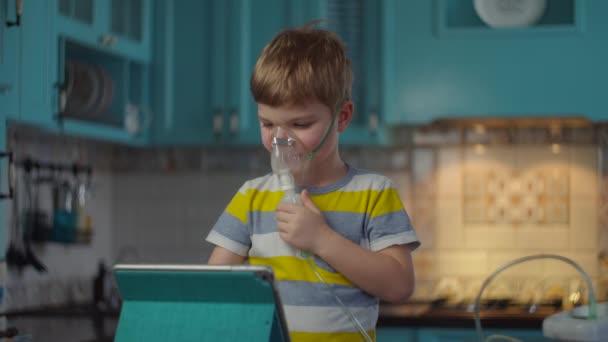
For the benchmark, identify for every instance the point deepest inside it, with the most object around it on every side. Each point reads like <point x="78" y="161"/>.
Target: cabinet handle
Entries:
<point x="11" y="176"/>
<point x="234" y="122"/>
<point x="5" y="88"/>
<point x="217" y="123"/>
<point x="18" y="13"/>
<point x="373" y="122"/>
<point x="107" y="40"/>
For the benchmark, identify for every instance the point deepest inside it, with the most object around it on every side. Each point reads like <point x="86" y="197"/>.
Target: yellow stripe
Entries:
<point x="252" y="200"/>
<point x="329" y="337"/>
<point x="385" y="201"/>
<point x="292" y="268"/>
<point x="239" y="207"/>
<point x="265" y="200"/>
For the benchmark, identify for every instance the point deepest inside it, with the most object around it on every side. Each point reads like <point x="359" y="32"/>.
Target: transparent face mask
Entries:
<point x="288" y="158"/>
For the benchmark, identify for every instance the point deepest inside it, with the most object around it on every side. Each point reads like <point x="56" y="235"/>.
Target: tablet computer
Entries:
<point x="199" y="303"/>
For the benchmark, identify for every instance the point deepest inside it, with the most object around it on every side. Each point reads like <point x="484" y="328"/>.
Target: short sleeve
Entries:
<point x="231" y="231"/>
<point x="389" y="223"/>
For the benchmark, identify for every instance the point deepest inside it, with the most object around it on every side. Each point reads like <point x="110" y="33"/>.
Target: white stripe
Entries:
<point x="264" y="183"/>
<point x="397" y="239"/>
<point x="270" y="245"/>
<point x="329" y="318"/>
<point x="222" y="241"/>
<point x="368" y="181"/>
<point x="359" y="182"/>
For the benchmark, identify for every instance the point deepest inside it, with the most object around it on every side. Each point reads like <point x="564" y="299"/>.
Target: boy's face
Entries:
<point x="308" y="122"/>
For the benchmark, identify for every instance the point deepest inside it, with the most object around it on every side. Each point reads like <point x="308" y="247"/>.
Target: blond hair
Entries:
<point x="301" y="64"/>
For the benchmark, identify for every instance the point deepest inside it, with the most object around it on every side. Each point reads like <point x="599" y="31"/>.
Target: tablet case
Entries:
<point x="198" y="303"/>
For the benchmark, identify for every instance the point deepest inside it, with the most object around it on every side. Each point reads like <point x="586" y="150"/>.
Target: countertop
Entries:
<point x="88" y="324"/>
<point x="427" y="315"/>
<point x="82" y="323"/>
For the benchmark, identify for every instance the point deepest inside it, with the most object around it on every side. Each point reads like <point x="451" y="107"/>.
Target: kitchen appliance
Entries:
<point x="574" y="325"/>
<point x="588" y="323"/>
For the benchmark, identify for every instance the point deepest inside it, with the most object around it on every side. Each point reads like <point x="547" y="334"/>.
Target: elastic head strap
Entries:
<point x="333" y="119"/>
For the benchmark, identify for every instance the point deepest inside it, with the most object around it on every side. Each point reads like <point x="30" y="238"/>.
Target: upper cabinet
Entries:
<point x="204" y="60"/>
<point x="68" y="82"/>
<point x="117" y="26"/>
<point x="441" y="60"/>
<point x="358" y="23"/>
<point x="9" y="58"/>
<point x="203" y="63"/>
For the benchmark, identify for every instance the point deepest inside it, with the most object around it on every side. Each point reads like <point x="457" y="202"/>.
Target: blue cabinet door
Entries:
<point x="256" y="23"/>
<point x="9" y="60"/>
<point x="4" y="191"/>
<point x="358" y="24"/>
<point x="118" y="26"/>
<point x="38" y="69"/>
<point x="182" y="74"/>
<point x="203" y="64"/>
<point x="396" y="334"/>
<point x="441" y="64"/>
<point x="463" y="335"/>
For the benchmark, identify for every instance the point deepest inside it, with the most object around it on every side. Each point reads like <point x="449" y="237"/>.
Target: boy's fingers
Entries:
<point x="307" y="201"/>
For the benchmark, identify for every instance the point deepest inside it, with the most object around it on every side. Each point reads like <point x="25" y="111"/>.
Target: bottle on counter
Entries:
<point x="101" y="287"/>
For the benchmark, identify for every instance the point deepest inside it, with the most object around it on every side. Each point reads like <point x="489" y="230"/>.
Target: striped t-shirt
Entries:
<point x="363" y="206"/>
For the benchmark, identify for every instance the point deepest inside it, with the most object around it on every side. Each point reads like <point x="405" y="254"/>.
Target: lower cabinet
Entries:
<point x="394" y="334"/>
<point x="408" y="334"/>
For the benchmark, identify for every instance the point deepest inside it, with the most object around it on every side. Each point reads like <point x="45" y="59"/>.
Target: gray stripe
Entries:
<point x="317" y="294"/>
<point x="350" y="225"/>
<point x="232" y="228"/>
<point x="388" y="224"/>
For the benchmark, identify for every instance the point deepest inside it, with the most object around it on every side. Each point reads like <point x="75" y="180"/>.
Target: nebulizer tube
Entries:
<point x="592" y="302"/>
<point x="285" y="161"/>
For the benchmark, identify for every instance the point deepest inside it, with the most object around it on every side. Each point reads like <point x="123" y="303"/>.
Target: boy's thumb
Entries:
<point x="307" y="201"/>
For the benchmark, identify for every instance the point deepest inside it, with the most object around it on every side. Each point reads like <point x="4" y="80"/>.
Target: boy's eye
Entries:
<point x="302" y="124"/>
<point x="266" y="124"/>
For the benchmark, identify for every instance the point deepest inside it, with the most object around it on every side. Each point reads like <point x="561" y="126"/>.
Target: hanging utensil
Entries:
<point x="15" y="256"/>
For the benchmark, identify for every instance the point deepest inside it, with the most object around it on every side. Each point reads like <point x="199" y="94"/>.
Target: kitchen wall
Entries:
<point x="489" y="198"/>
<point x="70" y="268"/>
<point x="158" y="204"/>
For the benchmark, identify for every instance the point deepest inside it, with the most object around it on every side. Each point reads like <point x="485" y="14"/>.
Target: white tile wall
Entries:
<point x="70" y="268"/>
<point x="165" y="217"/>
<point x="466" y="250"/>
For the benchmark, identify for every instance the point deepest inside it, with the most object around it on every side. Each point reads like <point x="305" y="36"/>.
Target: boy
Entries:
<point x="351" y="222"/>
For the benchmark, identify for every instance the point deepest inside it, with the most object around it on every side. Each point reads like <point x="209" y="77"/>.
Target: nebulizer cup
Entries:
<point x="286" y="161"/>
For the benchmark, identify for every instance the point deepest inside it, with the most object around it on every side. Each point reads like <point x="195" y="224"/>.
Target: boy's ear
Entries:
<point x="345" y="116"/>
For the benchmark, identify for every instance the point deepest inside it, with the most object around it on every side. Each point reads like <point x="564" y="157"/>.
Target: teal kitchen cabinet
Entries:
<point x="203" y="63"/>
<point x="37" y="66"/>
<point x="410" y="334"/>
<point x="44" y="81"/>
<point x="359" y="25"/>
<point x="462" y="334"/>
<point x="396" y="334"/>
<point x="207" y="51"/>
<point x="118" y="26"/>
<point x="442" y="61"/>
<point x="9" y="59"/>
<point x="181" y="73"/>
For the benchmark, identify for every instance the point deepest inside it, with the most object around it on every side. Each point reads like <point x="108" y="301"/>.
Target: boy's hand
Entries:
<point x="302" y="226"/>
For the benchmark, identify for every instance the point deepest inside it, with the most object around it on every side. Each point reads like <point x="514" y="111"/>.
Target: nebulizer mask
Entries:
<point x="287" y="163"/>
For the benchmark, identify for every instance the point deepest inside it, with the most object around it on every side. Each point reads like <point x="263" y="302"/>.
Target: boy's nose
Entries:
<point x="281" y="133"/>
